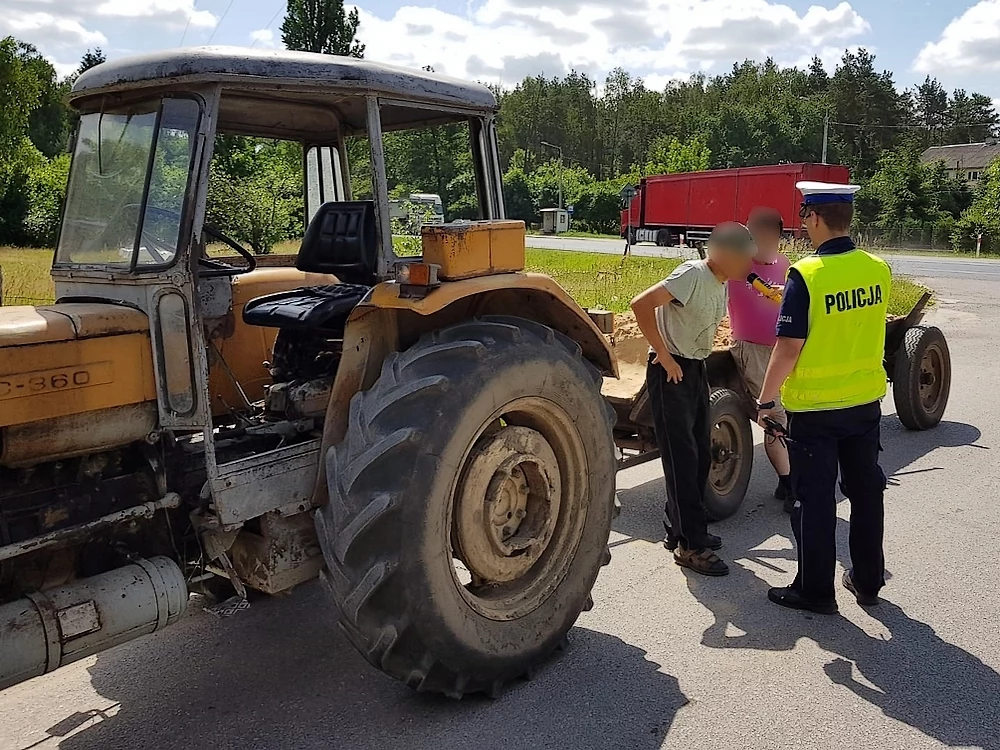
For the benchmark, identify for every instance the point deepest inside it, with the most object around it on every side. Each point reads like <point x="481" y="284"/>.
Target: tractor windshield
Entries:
<point x="128" y="183"/>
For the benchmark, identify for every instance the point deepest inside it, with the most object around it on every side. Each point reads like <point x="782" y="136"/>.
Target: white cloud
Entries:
<point x="263" y="38"/>
<point x="42" y="28"/>
<point x="176" y="13"/>
<point x="971" y="42"/>
<point x="63" y="69"/>
<point x="71" y="26"/>
<point x="504" y="40"/>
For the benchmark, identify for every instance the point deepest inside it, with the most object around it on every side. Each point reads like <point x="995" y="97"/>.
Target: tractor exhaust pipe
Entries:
<point x="48" y="629"/>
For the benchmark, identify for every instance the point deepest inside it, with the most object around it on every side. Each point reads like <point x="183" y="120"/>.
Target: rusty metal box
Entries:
<point x="478" y="248"/>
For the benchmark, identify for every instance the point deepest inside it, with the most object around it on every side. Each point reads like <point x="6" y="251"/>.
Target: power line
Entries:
<point x="194" y="7"/>
<point x="271" y="22"/>
<point x="221" y="19"/>
<point x="918" y="127"/>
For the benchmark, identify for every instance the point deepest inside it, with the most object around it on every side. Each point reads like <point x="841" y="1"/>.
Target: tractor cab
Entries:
<point x="139" y="217"/>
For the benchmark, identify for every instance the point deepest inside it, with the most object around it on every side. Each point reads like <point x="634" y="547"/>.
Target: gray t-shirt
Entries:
<point x="698" y="307"/>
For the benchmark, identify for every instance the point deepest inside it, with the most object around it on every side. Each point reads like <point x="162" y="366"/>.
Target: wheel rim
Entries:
<point x="518" y="509"/>
<point x="726" y="454"/>
<point x="932" y="379"/>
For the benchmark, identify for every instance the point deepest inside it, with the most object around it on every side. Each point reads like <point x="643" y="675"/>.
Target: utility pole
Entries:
<point x="559" y="149"/>
<point x="826" y="133"/>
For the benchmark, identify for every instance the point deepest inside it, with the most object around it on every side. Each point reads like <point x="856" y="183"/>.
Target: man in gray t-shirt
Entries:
<point x="679" y="317"/>
<point x="699" y="304"/>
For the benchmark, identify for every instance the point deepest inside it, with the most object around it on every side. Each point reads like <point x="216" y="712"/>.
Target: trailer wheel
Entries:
<point x="470" y="505"/>
<point x="662" y="238"/>
<point x="732" y="454"/>
<point x="921" y="380"/>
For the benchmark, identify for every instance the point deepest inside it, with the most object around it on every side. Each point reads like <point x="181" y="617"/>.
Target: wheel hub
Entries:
<point x="725" y="465"/>
<point x="507" y="504"/>
<point x="931" y="369"/>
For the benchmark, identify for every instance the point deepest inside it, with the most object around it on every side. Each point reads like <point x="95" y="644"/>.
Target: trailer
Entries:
<point x="917" y="364"/>
<point x="668" y="206"/>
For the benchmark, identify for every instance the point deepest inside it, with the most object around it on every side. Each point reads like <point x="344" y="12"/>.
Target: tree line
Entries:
<point x="609" y="135"/>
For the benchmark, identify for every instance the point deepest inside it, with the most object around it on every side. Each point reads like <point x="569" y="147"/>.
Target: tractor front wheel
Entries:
<point x="470" y="505"/>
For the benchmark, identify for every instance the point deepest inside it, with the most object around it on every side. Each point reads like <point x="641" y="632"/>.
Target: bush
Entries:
<point x="598" y="208"/>
<point x="46" y="191"/>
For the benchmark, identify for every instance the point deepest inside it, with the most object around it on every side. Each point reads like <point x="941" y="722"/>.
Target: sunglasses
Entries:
<point x="805" y="210"/>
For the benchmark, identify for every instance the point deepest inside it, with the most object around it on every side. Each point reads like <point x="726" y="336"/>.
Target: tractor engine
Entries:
<point x="303" y="366"/>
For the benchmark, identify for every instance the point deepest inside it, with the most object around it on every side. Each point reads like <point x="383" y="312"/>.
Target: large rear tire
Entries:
<point x="732" y="455"/>
<point x="470" y="505"/>
<point x="921" y="380"/>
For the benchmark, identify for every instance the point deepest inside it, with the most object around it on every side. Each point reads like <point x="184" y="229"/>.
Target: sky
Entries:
<point x="501" y="41"/>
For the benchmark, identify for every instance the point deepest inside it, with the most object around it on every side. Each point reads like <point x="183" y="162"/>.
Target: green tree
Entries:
<point x="869" y="100"/>
<point x="899" y="190"/>
<point x="321" y="26"/>
<point x="971" y="118"/>
<point x="255" y="191"/>
<point x="931" y="110"/>
<point x="46" y="189"/>
<point x="91" y="59"/>
<point x="517" y="197"/>
<point x="668" y="155"/>
<point x="983" y="216"/>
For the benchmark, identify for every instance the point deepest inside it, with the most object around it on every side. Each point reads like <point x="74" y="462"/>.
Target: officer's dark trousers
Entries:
<point x="680" y="421"/>
<point x="818" y="443"/>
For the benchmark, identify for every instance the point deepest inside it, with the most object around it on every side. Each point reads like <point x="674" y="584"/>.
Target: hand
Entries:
<point x="668" y="363"/>
<point x="765" y="414"/>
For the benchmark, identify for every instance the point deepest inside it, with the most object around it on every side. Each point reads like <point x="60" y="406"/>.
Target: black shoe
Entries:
<point x="788" y="504"/>
<point x="865" y="600"/>
<point x="781" y="492"/>
<point x="791" y="598"/>
<point x="711" y="541"/>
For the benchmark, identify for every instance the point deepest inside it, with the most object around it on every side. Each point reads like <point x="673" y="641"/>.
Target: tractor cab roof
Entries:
<point x="285" y="94"/>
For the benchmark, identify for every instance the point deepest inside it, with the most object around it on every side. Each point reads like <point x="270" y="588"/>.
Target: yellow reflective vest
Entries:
<point x="841" y="362"/>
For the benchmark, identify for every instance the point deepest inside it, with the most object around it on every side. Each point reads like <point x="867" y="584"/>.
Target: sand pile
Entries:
<point x="631" y="346"/>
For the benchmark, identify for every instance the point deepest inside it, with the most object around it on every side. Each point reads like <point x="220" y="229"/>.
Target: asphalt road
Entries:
<point x="910" y="265"/>
<point x="666" y="659"/>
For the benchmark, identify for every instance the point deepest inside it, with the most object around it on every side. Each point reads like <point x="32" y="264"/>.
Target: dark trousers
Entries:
<point x="680" y="421"/>
<point x="820" y="442"/>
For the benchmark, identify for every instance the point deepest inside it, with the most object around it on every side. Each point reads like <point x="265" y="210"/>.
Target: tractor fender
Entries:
<point x="526" y="295"/>
<point x="384" y="322"/>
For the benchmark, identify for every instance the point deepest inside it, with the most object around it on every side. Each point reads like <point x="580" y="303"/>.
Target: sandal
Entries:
<point x="703" y="561"/>
<point x="711" y="541"/>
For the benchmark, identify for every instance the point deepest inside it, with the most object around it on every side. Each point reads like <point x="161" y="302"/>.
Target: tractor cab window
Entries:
<point x="128" y="185"/>
<point x="255" y="195"/>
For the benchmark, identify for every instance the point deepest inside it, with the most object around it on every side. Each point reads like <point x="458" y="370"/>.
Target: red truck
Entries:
<point x="668" y="205"/>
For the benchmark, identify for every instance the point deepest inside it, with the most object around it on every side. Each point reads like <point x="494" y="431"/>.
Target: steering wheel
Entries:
<point x="163" y="251"/>
<point x="218" y="267"/>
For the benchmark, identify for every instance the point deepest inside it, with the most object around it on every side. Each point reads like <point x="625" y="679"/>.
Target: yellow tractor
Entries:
<point x="428" y="432"/>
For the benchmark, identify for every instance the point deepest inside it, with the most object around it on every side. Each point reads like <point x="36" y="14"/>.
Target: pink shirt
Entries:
<point x="753" y="317"/>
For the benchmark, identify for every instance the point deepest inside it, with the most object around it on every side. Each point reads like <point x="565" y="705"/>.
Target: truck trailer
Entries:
<point x="667" y="206"/>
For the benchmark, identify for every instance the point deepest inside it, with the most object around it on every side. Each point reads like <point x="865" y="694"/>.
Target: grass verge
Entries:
<point x="592" y="279"/>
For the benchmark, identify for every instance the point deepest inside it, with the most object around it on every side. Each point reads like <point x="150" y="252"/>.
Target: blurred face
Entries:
<point x="733" y="263"/>
<point x="765" y="233"/>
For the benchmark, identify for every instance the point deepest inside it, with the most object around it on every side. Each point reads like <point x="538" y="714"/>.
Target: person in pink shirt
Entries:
<point x="753" y="319"/>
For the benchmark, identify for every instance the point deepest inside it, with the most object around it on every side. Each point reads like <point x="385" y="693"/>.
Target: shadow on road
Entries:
<point x="280" y="676"/>
<point x="911" y="674"/>
<point x="642" y="507"/>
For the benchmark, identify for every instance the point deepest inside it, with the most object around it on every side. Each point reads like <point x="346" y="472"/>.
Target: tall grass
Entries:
<point x="592" y="279"/>
<point x="26" y="276"/>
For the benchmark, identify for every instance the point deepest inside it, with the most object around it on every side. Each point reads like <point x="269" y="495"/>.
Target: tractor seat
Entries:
<point x="340" y="240"/>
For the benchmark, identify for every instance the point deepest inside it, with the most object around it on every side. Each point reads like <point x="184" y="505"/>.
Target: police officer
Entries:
<point x="827" y="367"/>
